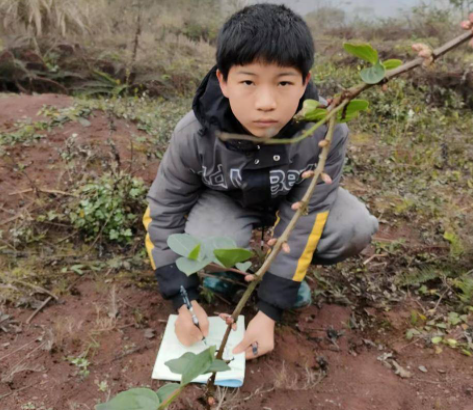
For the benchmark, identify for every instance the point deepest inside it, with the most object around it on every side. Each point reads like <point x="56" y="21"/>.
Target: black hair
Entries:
<point x="267" y="33"/>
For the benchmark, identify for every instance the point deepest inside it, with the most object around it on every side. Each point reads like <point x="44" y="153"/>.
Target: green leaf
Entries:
<point x="453" y="343"/>
<point x="391" y="63"/>
<point x="374" y="74"/>
<point x="133" y="399"/>
<point x="218" y="366"/>
<point x="437" y="339"/>
<point x="308" y="107"/>
<point x="189" y="266"/>
<point x="363" y="51"/>
<point x="316" y="115"/>
<point x="244" y="266"/>
<point x="230" y="257"/>
<point x="190" y="365"/>
<point x="217" y="242"/>
<point x="353" y="109"/>
<point x="165" y="391"/>
<point x="194" y="255"/>
<point x="411" y="333"/>
<point x="182" y="243"/>
<point x="198" y="365"/>
<point x="454" y="318"/>
<point x="179" y="365"/>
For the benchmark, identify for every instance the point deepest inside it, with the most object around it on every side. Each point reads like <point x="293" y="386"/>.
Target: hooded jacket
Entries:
<point x="264" y="178"/>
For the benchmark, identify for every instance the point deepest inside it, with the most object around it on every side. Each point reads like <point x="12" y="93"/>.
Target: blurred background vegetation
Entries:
<point x="165" y="47"/>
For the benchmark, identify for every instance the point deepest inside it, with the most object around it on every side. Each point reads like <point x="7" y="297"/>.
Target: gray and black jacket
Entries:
<point x="265" y="178"/>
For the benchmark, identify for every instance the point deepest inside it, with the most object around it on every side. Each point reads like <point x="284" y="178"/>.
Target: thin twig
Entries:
<point x="36" y="287"/>
<point x="219" y="268"/>
<point x="17" y="350"/>
<point x="48" y="299"/>
<point x="21" y="389"/>
<point x="44" y="190"/>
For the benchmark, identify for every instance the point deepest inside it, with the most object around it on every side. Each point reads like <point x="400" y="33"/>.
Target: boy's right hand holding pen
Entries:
<point x="186" y="331"/>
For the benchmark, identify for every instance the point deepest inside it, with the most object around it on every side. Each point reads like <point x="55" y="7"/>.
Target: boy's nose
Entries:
<point x="265" y="101"/>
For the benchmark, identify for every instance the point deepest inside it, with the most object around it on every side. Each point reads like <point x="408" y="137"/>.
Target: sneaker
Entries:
<point x="222" y="287"/>
<point x="304" y="296"/>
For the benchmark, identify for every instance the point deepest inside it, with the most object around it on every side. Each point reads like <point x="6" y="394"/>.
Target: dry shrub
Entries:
<point x="43" y="17"/>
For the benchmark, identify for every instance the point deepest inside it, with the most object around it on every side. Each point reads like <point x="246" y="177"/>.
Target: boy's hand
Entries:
<point x="261" y="331"/>
<point x="186" y="331"/>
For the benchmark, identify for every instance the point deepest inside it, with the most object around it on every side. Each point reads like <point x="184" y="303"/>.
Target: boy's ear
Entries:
<point x="222" y="82"/>
<point x="307" y="79"/>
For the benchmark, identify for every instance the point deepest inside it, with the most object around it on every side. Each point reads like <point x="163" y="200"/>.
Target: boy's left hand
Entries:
<point x="260" y="330"/>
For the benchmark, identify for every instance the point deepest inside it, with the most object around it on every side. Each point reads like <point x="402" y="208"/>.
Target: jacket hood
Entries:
<point x="213" y="111"/>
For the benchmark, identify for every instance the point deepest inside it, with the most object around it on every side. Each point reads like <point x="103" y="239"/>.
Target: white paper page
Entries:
<point x="171" y="348"/>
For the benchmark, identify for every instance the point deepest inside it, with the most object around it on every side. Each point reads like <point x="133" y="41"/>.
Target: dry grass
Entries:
<point x="42" y="17"/>
<point x="293" y="381"/>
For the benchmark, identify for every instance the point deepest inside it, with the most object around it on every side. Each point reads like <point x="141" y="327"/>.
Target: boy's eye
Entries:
<point x="247" y="82"/>
<point x="285" y="83"/>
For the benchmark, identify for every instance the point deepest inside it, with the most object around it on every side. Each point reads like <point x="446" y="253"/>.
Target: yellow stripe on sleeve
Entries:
<point x="149" y="244"/>
<point x="314" y="237"/>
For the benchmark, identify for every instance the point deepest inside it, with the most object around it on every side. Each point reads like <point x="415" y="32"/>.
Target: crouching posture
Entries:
<point x="208" y="187"/>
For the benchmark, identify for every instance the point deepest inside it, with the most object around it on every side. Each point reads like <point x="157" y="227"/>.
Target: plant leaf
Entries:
<point x="190" y="365"/>
<point x="353" y="109"/>
<point x="363" y="51"/>
<point x="217" y="242"/>
<point x="243" y="266"/>
<point x="179" y="365"/>
<point x="437" y="339"/>
<point x="230" y="257"/>
<point x="308" y="107"/>
<point x="165" y="391"/>
<point x="391" y="63"/>
<point x="198" y="365"/>
<point x="133" y="399"/>
<point x="194" y="255"/>
<point x="316" y="115"/>
<point x="182" y="243"/>
<point x="189" y="266"/>
<point x="374" y="74"/>
<point x="218" y="366"/>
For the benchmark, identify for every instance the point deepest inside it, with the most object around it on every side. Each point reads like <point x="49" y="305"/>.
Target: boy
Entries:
<point x="207" y="187"/>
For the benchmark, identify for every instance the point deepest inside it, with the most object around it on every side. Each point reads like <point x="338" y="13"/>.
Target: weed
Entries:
<point x="24" y="133"/>
<point x="108" y="207"/>
<point x="82" y="365"/>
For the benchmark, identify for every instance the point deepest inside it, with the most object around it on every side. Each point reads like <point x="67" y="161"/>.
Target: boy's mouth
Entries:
<point x="265" y="123"/>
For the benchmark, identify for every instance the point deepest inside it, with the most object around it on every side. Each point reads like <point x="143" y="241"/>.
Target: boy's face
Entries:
<point x="263" y="97"/>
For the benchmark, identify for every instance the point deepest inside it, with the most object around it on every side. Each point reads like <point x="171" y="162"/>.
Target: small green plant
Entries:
<point x="82" y="365"/>
<point x="24" y="133"/>
<point x="108" y="206"/>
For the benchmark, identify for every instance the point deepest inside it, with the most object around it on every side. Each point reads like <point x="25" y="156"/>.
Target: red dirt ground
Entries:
<point x="33" y="368"/>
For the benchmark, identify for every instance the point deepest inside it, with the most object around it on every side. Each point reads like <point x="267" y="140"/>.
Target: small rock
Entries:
<point x="149" y="333"/>
<point x="423" y="369"/>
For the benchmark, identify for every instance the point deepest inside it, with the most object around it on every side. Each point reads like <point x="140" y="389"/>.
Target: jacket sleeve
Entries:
<point x="279" y="287"/>
<point x="173" y="193"/>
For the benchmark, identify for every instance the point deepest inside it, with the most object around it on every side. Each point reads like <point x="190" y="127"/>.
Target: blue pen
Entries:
<point x="187" y="302"/>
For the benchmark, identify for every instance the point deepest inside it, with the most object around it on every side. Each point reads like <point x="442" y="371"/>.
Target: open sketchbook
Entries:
<point x="171" y="348"/>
